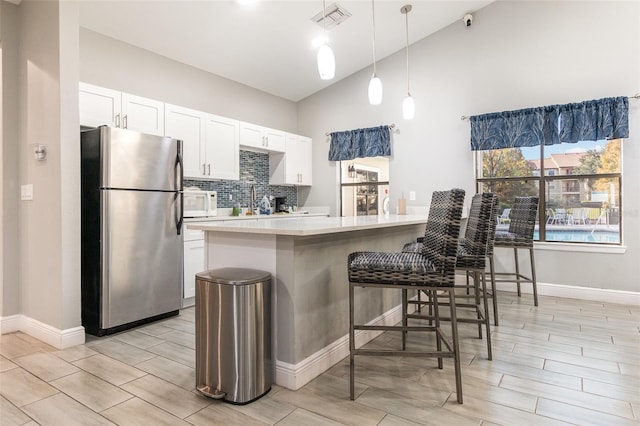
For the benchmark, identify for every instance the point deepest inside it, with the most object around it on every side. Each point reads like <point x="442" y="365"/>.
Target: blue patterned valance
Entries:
<point x="584" y="121"/>
<point x="360" y="143"/>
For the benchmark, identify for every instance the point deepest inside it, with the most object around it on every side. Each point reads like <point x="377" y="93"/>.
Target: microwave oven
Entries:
<point x="198" y="203"/>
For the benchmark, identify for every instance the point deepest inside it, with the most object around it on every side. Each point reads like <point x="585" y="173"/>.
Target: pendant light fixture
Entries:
<point x="326" y="60"/>
<point x="408" y="105"/>
<point x="375" y="85"/>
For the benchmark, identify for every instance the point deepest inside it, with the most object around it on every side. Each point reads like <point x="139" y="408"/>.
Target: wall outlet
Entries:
<point x="412" y="195"/>
<point x="26" y="192"/>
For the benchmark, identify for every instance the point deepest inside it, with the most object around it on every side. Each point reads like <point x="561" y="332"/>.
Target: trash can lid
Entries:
<point x="234" y="276"/>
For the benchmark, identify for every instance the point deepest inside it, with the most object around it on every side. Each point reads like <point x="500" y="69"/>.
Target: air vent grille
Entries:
<point x="334" y="15"/>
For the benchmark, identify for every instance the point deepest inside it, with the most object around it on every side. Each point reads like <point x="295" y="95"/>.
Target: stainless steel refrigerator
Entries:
<point x="132" y="215"/>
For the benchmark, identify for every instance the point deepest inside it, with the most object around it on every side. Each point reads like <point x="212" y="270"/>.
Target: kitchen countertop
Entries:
<point x="228" y="217"/>
<point x="305" y="225"/>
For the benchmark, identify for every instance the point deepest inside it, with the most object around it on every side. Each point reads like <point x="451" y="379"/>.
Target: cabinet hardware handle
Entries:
<point x="117" y="120"/>
<point x="266" y="138"/>
<point x="124" y="122"/>
<point x="204" y="169"/>
<point x="209" y="169"/>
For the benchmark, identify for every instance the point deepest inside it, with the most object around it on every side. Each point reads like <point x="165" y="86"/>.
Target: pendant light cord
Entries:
<point x="406" y="18"/>
<point x="373" y="14"/>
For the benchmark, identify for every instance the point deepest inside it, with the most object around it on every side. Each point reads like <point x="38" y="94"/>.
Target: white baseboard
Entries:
<point x="10" y="324"/>
<point x="577" y="292"/>
<point x="294" y="376"/>
<point x="57" y="338"/>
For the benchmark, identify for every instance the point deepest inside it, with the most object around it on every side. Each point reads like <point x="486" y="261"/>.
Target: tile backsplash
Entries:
<point x="254" y="170"/>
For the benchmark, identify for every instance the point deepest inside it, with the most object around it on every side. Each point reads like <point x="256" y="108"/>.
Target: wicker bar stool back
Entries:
<point x="432" y="269"/>
<point x="472" y="254"/>
<point x="519" y="236"/>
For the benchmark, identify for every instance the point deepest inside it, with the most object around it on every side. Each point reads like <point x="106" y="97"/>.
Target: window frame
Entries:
<point x="543" y="180"/>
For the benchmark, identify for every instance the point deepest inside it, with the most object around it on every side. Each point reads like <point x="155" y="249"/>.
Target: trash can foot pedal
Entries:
<point x="211" y="393"/>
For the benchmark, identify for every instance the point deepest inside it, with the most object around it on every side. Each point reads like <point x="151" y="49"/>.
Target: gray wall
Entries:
<point x="516" y="55"/>
<point x="153" y="76"/>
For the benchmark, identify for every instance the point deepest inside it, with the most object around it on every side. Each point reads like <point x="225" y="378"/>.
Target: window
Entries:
<point x="364" y="186"/>
<point x="579" y="190"/>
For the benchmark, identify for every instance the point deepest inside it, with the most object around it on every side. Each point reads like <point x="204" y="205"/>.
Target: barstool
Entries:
<point x="431" y="270"/>
<point x="519" y="236"/>
<point x="472" y="255"/>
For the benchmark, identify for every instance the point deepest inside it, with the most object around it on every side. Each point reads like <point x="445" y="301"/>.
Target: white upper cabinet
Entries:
<point x="261" y="138"/>
<point x="142" y="114"/>
<point x="222" y="147"/>
<point x="210" y="143"/>
<point x="101" y="106"/>
<point x="294" y="166"/>
<point x="188" y="125"/>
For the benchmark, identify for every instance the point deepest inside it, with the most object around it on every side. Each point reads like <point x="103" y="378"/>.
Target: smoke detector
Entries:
<point x="332" y="16"/>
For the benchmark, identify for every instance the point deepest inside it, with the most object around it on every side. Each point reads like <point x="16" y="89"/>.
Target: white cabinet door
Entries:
<point x="294" y="166"/>
<point x="298" y="160"/>
<point x="261" y="138"/>
<point x="275" y="140"/>
<point x="142" y="114"/>
<point x="99" y="106"/>
<point x="193" y="264"/>
<point x="222" y="150"/>
<point x="188" y="125"/>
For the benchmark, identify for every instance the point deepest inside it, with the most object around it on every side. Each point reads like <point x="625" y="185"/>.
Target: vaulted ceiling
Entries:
<point x="267" y="44"/>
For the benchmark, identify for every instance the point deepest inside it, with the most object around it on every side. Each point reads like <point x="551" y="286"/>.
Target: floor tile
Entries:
<point x="61" y="410"/>
<point x="13" y="346"/>
<point x="75" y="353"/>
<point x="6" y="365"/>
<point x="220" y="413"/>
<point x="10" y="415"/>
<point x="302" y="417"/>
<point x="91" y="391"/>
<point x="155" y="329"/>
<point x="569" y="396"/>
<point x="580" y="372"/>
<point x="180" y="325"/>
<point x="391" y="420"/>
<point x="46" y="366"/>
<point x="612" y="391"/>
<point x="109" y="369"/>
<point x="171" y="371"/>
<point x="416" y="411"/>
<point x="579" y="415"/>
<point x="181" y="338"/>
<point x="138" y="339"/>
<point x="170" y="397"/>
<point x="21" y="387"/>
<point x="266" y="409"/>
<point x="338" y="409"/>
<point x="136" y="412"/>
<point x="177" y="353"/>
<point x="122" y="352"/>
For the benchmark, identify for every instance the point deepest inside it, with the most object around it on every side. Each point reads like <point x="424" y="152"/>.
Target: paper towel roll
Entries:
<point x="402" y="206"/>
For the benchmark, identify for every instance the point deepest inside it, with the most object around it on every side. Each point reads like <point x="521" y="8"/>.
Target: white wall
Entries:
<point x="111" y="63"/>
<point x="516" y="55"/>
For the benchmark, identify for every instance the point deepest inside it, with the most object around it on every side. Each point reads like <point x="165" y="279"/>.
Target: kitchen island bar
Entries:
<point x="307" y="259"/>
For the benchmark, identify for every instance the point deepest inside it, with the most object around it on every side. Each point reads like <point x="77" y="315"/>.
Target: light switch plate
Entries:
<point x="412" y="195"/>
<point x="26" y="192"/>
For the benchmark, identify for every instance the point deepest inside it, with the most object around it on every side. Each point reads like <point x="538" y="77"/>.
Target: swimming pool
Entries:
<point x="582" y="236"/>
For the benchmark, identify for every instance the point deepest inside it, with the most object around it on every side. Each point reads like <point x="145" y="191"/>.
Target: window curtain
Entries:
<point x="360" y="143"/>
<point x="600" y="119"/>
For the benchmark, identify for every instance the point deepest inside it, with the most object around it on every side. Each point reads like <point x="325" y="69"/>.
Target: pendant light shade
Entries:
<point x="408" y="105"/>
<point x="326" y="63"/>
<point x="408" y="108"/>
<point x="326" y="60"/>
<point x="375" y="85"/>
<point x="375" y="90"/>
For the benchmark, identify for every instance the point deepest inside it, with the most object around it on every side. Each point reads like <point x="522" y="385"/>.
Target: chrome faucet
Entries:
<point x="253" y="197"/>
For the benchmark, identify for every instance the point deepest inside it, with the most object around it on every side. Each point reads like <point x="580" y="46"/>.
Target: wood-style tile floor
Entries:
<point x="565" y="362"/>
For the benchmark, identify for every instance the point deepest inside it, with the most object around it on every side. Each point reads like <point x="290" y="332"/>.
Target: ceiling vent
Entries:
<point x="333" y="16"/>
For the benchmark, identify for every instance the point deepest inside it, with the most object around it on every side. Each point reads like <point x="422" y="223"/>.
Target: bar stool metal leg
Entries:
<point x="456" y="345"/>
<point x="352" y="344"/>
<point x="533" y="277"/>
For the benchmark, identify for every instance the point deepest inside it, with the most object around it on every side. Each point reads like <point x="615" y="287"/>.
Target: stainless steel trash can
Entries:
<point x="233" y="334"/>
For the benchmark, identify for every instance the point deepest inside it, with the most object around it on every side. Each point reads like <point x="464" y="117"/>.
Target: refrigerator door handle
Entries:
<point x="179" y="213"/>
<point x="178" y="186"/>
